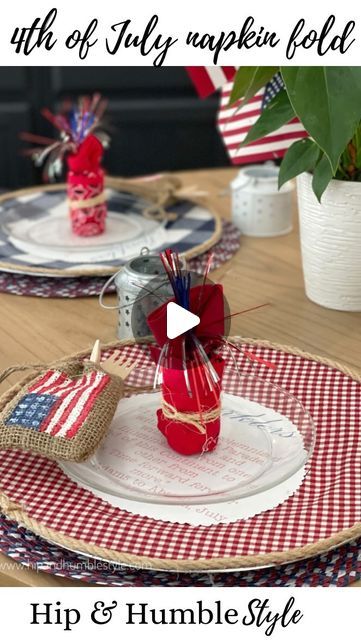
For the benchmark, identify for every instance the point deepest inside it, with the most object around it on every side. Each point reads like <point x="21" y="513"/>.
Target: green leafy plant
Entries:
<point x="327" y="100"/>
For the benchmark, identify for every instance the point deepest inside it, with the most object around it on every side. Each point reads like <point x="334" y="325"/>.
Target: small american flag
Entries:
<point x="271" y="89"/>
<point x="58" y="405"/>
<point x="208" y="79"/>
<point x="234" y="123"/>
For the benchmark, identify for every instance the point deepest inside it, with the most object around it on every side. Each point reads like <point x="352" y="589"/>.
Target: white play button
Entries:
<point x="179" y="320"/>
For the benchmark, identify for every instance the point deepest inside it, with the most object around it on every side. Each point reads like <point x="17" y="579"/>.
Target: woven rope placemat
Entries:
<point x="324" y="513"/>
<point x="48" y="287"/>
<point x="338" y="568"/>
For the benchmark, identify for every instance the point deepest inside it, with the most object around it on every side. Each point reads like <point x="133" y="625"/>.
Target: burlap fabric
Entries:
<point x="80" y="403"/>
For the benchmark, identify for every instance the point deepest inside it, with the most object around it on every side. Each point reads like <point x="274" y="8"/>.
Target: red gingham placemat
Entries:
<point x="328" y="501"/>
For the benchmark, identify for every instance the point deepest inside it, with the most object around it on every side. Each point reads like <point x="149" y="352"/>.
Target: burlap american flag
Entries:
<point x="58" y="405"/>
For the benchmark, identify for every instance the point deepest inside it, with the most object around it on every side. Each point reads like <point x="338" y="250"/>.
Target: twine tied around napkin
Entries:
<point x="199" y="420"/>
<point x="89" y="202"/>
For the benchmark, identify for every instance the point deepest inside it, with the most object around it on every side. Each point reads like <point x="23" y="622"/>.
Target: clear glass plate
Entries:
<point x="266" y="436"/>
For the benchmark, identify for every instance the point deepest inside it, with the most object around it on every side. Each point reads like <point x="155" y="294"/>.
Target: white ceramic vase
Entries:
<point x="331" y="243"/>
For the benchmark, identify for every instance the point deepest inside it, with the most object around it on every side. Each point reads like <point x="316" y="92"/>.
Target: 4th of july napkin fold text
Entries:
<point x="149" y="40"/>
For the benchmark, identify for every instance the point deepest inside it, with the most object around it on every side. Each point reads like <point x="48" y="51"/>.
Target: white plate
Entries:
<point x="51" y="237"/>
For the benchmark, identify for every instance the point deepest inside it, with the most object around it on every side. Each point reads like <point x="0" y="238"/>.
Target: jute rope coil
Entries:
<point x="17" y="512"/>
<point x="18" y="368"/>
<point x="196" y="419"/>
<point x="160" y="193"/>
<point x="90" y="202"/>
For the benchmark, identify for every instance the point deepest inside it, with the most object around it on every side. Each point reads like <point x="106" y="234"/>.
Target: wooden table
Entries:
<point x="264" y="270"/>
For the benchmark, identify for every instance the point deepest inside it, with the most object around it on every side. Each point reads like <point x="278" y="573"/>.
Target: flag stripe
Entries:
<point x="261" y="156"/>
<point x="201" y="81"/>
<point x="208" y="79"/>
<point x="277" y="145"/>
<point x="257" y="157"/>
<point x="246" y="119"/>
<point x="64" y="391"/>
<point x="45" y="382"/>
<point x="233" y="135"/>
<point x="267" y="141"/>
<point x="66" y="415"/>
<point x="75" y="398"/>
<point x="217" y="76"/>
<point x="225" y="96"/>
<point x="72" y="408"/>
<point x="87" y="402"/>
<point x="61" y="384"/>
<point x="234" y="124"/>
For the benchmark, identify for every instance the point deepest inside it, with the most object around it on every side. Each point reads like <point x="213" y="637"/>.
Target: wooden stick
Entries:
<point x="95" y="354"/>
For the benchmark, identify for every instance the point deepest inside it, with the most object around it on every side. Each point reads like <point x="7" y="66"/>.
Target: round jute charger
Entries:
<point x="323" y="514"/>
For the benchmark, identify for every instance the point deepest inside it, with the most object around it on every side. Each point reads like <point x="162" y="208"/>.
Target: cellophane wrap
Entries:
<point x="190" y="393"/>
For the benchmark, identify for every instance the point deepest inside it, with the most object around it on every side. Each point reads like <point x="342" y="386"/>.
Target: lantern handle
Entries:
<point x="143" y="252"/>
<point x="104" y="289"/>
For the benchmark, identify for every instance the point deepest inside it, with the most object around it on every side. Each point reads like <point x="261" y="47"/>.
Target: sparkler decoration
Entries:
<point x="189" y="368"/>
<point x="81" y="142"/>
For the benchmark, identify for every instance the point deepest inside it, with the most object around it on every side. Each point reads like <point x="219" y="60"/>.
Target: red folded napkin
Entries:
<point x="88" y="156"/>
<point x="202" y="408"/>
<point x="85" y="188"/>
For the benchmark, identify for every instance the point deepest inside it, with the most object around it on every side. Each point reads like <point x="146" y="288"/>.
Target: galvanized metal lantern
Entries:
<point x="141" y="287"/>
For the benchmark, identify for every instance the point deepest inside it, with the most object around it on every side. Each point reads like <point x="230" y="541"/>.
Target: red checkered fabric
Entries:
<point x="328" y="501"/>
